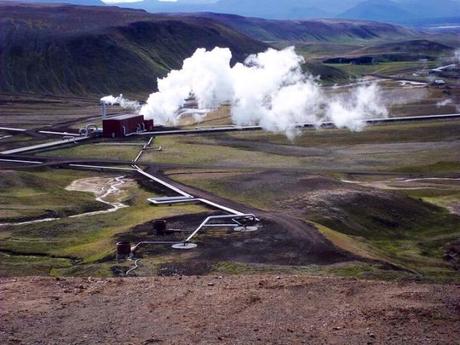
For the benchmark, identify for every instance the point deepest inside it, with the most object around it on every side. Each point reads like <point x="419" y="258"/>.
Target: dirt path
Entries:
<point x="264" y="309"/>
<point x="409" y="184"/>
<point x="303" y="236"/>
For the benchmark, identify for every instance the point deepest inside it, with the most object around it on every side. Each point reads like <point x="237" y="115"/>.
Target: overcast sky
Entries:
<point x="118" y="1"/>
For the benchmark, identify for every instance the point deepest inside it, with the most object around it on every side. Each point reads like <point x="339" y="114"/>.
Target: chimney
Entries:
<point x="103" y="109"/>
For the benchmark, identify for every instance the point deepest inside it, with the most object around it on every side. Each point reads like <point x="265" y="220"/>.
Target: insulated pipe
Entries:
<point x="45" y="145"/>
<point x="19" y="161"/>
<point x="203" y="224"/>
<point x="163" y="183"/>
<point x="298" y="126"/>
<point x="141" y="152"/>
<point x="134" y="248"/>
<point x="178" y="200"/>
<point x="10" y="129"/>
<point x="60" y="133"/>
<point x="84" y="166"/>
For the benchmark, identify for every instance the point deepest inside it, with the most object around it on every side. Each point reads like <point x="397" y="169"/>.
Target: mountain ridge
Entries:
<point x="308" y="30"/>
<point x="80" y="50"/>
<point x="403" y="11"/>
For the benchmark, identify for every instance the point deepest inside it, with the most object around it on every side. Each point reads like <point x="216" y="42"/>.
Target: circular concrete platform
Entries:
<point x="245" y="228"/>
<point x="184" y="246"/>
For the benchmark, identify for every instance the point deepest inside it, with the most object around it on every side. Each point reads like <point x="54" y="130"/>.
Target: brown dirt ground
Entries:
<point x="258" y="309"/>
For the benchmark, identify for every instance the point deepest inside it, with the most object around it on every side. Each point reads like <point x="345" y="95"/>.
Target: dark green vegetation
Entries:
<point x="69" y="246"/>
<point x="327" y="74"/>
<point x="25" y="195"/>
<point x="420" y="46"/>
<point x="415" y="52"/>
<point x="81" y="50"/>
<point x="350" y="185"/>
<point x="64" y="49"/>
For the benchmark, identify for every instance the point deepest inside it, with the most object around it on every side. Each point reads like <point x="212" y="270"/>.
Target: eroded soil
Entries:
<point x="264" y="309"/>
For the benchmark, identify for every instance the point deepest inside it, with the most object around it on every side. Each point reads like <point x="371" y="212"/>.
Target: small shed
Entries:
<point x="122" y="125"/>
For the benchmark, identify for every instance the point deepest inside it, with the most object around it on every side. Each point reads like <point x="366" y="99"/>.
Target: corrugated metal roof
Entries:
<point x="122" y="117"/>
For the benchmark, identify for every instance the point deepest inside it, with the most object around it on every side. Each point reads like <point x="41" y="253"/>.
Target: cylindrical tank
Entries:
<point x="123" y="248"/>
<point x="159" y="226"/>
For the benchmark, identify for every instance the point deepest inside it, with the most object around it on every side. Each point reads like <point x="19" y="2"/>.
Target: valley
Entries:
<point x="228" y="224"/>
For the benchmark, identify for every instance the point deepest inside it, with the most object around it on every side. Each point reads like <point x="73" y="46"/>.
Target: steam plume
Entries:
<point x="121" y="101"/>
<point x="269" y="89"/>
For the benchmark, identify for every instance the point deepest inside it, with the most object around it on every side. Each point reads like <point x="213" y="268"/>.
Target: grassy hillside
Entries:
<point x="63" y="49"/>
<point x="26" y="196"/>
<point x="421" y="46"/>
<point x="311" y="30"/>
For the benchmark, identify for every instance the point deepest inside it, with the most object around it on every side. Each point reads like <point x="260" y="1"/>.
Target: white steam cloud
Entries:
<point x="269" y="89"/>
<point x="457" y="56"/>
<point x="122" y="102"/>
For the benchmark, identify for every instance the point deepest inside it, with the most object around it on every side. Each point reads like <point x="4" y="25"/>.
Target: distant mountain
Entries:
<point x="96" y="50"/>
<point x="396" y="11"/>
<point x="271" y="9"/>
<point x="309" y="30"/>
<point x="378" y="10"/>
<point x="75" y="2"/>
<point x="402" y="11"/>
<point x="274" y="9"/>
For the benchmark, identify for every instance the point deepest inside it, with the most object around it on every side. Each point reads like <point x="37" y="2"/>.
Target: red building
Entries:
<point x="122" y="125"/>
<point x="148" y="125"/>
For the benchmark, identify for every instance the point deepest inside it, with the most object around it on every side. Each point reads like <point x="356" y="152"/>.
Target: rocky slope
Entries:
<point x="265" y="309"/>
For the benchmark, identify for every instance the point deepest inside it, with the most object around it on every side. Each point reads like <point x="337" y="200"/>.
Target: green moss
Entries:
<point x="28" y="265"/>
<point x="227" y="267"/>
<point x="42" y="194"/>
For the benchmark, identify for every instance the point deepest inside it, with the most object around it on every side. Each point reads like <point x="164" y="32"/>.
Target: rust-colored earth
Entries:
<point x="255" y="309"/>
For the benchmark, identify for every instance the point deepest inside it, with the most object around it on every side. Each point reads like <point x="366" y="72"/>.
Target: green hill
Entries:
<point x="421" y="46"/>
<point x="65" y="49"/>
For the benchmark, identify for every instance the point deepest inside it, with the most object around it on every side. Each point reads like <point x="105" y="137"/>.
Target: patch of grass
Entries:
<point x="438" y="167"/>
<point x="368" y="271"/>
<point x="88" y="240"/>
<point x="41" y="194"/>
<point x="412" y="238"/>
<point x="382" y="134"/>
<point x="385" y="68"/>
<point x="118" y="152"/>
<point x="349" y="243"/>
<point x="227" y="267"/>
<point x="27" y="265"/>
<point x="205" y="151"/>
